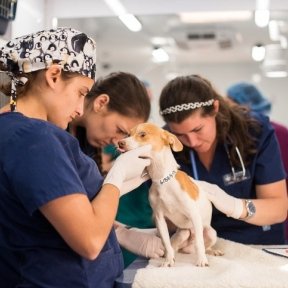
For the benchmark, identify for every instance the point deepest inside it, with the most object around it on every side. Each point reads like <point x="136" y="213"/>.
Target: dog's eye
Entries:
<point x="142" y="134"/>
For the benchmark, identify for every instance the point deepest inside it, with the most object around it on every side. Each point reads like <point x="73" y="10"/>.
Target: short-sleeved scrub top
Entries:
<point x="134" y="208"/>
<point x="265" y="167"/>
<point x="40" y="162"/>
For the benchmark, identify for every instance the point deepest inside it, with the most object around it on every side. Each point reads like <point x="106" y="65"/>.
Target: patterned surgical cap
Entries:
<point x="71" y="49"/>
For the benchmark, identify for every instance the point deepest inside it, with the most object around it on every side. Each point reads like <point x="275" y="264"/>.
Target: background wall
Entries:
<point x="221" y="76"/>
<point x="33" y="15"/>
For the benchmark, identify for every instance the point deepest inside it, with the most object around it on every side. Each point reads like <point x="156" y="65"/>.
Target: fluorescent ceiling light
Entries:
<point x="116" y="6"/>
<point x="274" y="32"/>
<point x="275" y="62"/>
<point x="258" y="52"/>
<point x="162" y="41"/>
<point x="262" y="13"/>
<point x="129" y="20"/>
<point x="262" y="4"/>
<point x="262" y="18"/>
<point x="160" y="55"/>
<point x="215" y="16"/>
<point x="276" y="74"/>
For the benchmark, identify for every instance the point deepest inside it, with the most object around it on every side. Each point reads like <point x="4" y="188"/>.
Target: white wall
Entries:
<point x="221" y="76"/>
<point x="30" y="17"/>
<point x="33" y="15"/>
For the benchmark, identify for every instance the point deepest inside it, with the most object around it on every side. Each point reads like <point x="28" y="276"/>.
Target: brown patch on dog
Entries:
<point x="187" y="185"/>
<point x="172" y="140"/>
<point x="147" y="133"/>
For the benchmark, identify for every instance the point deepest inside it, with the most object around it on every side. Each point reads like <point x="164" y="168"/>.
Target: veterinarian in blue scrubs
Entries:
<point x="115" y="104"/>
<point x="56" y="218"/>
<point x="234" y="149"/>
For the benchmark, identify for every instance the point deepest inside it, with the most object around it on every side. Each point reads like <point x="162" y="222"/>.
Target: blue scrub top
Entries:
<point x="266" y="167"/>
<point x="134" y="208"/>
<point x="40" y="162"/>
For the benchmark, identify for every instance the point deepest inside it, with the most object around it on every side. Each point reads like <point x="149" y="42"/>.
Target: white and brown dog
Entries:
<point x="174" y="196"/>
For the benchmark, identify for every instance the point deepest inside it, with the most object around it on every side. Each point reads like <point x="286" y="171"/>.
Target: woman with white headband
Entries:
<point x="56" y="214"/>
<point x="236" y="151"/>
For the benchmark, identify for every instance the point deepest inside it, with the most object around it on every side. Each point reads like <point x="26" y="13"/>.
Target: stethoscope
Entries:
<point x="235" y="175"/>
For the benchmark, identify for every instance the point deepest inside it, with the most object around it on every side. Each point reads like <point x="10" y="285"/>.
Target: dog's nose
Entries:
<point x="121" y="144"/>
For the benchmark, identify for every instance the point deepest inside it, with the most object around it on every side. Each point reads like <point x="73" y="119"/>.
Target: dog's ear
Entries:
<point x="173" y="141"/>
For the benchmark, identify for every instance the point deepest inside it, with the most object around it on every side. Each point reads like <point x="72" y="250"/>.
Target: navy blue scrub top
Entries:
<point x="266" y="167"/>
<point x="40" y="162"/>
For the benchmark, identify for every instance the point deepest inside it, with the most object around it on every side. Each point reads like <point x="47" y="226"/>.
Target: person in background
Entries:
<point x="110" y="152"/>
<point x="247" y="94"/>
<point x="236" y="152"/>
<point x="115" y="104"/>
<point x="56" y="213"/>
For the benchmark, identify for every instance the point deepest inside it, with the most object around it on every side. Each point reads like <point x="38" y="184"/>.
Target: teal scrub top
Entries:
<point x="134" y="210"/>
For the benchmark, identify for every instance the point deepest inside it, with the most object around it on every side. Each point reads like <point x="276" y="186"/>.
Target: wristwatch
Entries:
<point x="251" y="209"/>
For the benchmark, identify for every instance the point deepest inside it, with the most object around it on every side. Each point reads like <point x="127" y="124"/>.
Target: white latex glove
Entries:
<point x="142" y="242"/>
<point x="131" y="184"/>
<point x="229" y="205"/>
<point x="128" y="166"/>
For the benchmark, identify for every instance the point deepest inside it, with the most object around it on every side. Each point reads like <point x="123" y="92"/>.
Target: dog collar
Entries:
<point x="168" y="177"/>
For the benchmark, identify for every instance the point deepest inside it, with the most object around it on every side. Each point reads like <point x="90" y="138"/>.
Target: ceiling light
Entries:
<point x="276" y="74"/>
<point x="160" y="55"/>
<point x="258" y="52"/>
<point x="215" y="16"/>
<point x="116" y="6"/>
<point x="128" y="19"/>
<point x="162" y="41"/>
<point x="131" y="22"/>
<point x="262" y="13"/>
<point x="275" y="62"/>
<point x="274" y="31"/>
<point x="262" y="18"/>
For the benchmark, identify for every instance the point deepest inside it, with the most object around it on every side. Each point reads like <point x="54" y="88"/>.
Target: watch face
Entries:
<point x="251" y="207"/>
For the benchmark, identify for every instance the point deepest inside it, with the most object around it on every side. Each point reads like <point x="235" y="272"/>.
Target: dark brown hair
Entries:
<point x="234" y="124"/>
<point x="128" y="95"/>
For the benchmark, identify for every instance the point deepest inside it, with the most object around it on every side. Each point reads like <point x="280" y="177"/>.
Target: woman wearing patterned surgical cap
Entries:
<point x="235" y="149"/>
<point x="56" y="214"/>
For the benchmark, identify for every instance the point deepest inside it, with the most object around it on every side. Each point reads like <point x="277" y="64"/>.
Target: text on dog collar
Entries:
<point x="168" y="177"/>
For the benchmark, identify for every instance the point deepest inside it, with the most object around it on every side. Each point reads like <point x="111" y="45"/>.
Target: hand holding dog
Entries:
<point x="129" y="167"/>
<point x="132" y="184"/>
<point x="142" y="242"/>
<point x="229" y="205"/>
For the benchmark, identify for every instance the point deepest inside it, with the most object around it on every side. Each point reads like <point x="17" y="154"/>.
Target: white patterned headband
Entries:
<point x="186" y="106"/>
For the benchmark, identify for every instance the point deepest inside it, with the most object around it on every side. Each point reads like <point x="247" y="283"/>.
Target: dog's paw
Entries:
<point x="202" y="261"/>
<point x="168" y="262"/>
<point x="214" y="252"/>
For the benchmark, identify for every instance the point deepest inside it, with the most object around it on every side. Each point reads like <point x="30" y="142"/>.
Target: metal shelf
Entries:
<point x="8" y="9"/>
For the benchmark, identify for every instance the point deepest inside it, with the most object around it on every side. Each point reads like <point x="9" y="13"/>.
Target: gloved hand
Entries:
<point x="128" y="166"/>
<point x="142" y="242"/>
<point x="229" y="205"/>
<point x="131" y="184"/>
